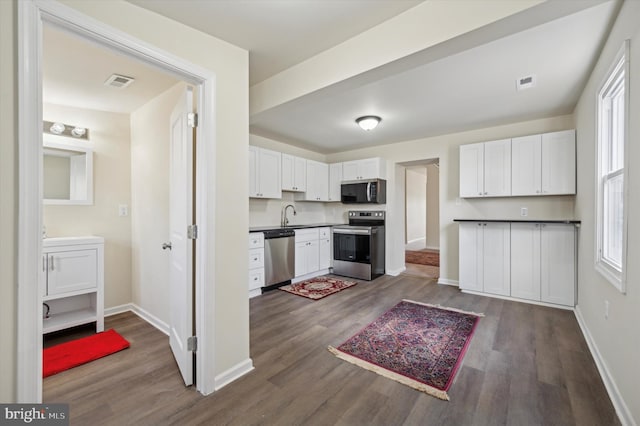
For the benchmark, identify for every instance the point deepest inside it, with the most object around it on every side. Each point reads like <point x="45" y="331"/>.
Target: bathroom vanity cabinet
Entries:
<point x="72" y="282"/>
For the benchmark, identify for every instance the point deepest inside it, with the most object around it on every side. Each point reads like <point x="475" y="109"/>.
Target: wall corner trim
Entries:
<point x="612" y="389"/>
<point x="233" y="373"/>
<point x="447" y="281"/>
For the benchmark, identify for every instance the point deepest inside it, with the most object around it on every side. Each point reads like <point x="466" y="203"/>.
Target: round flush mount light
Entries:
<point x="78" y="132"/>
<point x="368" y="122"/>
<point x="57" y="128"/>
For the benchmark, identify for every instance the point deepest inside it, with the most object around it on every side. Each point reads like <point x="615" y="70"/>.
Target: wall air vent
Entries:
<point x="527" y="82"/>
<point x="119" y="81"/>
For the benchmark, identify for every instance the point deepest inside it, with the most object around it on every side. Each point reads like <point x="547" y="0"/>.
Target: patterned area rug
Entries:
<point x="318" y="287"/>
<point x="422" y="257"/>
<point x="416" y="344"/>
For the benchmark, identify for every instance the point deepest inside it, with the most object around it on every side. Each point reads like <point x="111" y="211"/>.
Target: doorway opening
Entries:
<point x="34" y="17"/>
<point x="422" y="219"/>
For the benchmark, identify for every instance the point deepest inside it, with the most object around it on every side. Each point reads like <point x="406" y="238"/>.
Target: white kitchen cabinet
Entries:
<point x="72" y="277"/>
<point x="307" y="253"/>
<point x="317" y="182"/>
<point x="544" y="164"/>
<point x="558" y="264"/>
<point x="264" y="173"/>
<point x="324" y="248"/>
<point x="294" y="173"/>
<point x="335" y="181"/>
<point x="484" y="257"/>
<point x="485" y="169"/>
<point x="369" y="168"/>
<point x="256" y="263"/>
<point x="543" y="262"/>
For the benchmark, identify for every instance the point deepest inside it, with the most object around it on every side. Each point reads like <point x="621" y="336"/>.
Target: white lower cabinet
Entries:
<point x="313" y="250"/>
<point x="256" y="263"/>
<point x="72" y="275"/>
<point x="484" y="257"/>
<point x="543" y="262"/>
<point x="529" y="261"/>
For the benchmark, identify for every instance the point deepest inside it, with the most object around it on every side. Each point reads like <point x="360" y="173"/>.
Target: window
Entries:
<point x="611" y="223"/>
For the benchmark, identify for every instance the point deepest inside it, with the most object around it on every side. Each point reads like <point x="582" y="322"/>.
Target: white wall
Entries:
<point x="110" y="135"/>
<point x="228" y="172"/>
<point x="8" y="199"/>
<point x="446" y="148"/>
<point x="433" y="207"/>
<point x="150" y="202"/>
<point x="416" y="204"/>
<point x="616" y="337"/>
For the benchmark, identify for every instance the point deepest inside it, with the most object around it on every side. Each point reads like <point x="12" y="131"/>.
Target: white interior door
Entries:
<point x="180" y="217"/>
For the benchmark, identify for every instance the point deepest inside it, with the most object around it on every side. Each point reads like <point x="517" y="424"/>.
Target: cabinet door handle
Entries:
<point x="44" y="263"/>
<point x="52" y="263"/>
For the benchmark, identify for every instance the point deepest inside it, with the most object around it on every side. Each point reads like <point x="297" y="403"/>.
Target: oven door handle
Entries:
<point x="352" y="231"/>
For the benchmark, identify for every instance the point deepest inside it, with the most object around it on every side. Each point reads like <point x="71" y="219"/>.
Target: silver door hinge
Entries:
<point x="192" y="119"/>
<point x="192" y="232"/>
<point x="192" y="344"/>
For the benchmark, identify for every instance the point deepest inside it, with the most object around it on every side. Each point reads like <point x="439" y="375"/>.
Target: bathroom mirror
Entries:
<point x="67" y="173"/>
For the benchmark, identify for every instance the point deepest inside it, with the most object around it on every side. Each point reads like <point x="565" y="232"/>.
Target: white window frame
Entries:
<point x="615" y="274"/>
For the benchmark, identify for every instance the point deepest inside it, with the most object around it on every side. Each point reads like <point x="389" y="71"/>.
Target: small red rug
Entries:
<point x="422" y="257"/>
<point x="77" y="352"/>
<point x="416" y="344"/>
<point x="318" y="287"/>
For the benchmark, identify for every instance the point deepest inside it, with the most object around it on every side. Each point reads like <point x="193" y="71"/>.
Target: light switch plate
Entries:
<point x="524" y="211"/>
<point x="123" y="210"/>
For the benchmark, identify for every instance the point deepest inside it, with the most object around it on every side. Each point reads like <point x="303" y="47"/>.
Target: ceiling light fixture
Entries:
<point x="368" y="122"/>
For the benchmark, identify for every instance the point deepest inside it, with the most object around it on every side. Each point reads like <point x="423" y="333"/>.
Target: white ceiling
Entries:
<point x="279" y="33"/>
<point x="74" y="72"/>
<point x="473" y="88"/>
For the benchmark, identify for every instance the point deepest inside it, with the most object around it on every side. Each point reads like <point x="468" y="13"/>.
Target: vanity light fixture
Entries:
<point x="368" y="122"/>
<point x="78" y="132"/>
<point x="68" y="130"/>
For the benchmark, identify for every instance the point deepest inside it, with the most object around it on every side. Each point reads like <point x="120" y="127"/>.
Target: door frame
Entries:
<point x="31" y="16"/>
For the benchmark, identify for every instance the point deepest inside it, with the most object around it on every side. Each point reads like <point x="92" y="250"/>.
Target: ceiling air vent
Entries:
<point x="526" y="82"/>
<point x="119" y="81"/>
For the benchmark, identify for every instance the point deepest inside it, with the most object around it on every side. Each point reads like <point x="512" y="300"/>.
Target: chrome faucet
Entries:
<point x="283" y="217"/>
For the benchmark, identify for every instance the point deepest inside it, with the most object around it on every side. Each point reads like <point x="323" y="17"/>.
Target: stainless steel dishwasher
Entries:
<point x="279" y="256"/>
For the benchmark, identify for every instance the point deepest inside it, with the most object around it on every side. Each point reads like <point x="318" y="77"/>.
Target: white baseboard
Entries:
<point x="311" y="275"/>
<point x="612" y="389"/>
<point x="396" y="272"/>
<point x="447" y="281"/>
<point x="233" y="373"/>
<point x="433" y="248"/>
<point x="519" y="300"/>
<point x="415" y="240"/>
<point x="145" y="315"/>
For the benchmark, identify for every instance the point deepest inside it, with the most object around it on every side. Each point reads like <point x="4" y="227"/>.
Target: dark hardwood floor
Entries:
<point x="526" y="365"/>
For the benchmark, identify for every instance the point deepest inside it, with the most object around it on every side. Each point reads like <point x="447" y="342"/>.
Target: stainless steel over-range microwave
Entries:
<point x="370" y="191"/>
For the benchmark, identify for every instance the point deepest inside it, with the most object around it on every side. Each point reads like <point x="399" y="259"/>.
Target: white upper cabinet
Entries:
<point x="485" y="169"/>
<point x="264" y="173"/>
<point x="317" y="182"/>
<point x="335" y="179"/>
<point x="544" y="164"/>
<point x="559" y="162"/>
<point x="369" y="168"/>
<point x="294" y="173"/>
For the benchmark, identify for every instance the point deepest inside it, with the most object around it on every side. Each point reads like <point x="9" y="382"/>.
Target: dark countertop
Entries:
<point x="272" y="227"/>
<point x="566" y="221"/>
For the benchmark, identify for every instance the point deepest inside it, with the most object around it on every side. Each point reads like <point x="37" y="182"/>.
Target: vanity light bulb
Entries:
<point x="78" y="132"/>
<point x="57" y="128"/>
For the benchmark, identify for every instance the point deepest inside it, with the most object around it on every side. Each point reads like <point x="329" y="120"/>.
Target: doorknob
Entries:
<point x="166" y="246"/>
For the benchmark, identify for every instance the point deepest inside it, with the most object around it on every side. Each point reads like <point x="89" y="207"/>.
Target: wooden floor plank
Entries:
<point x="524" y="364"/>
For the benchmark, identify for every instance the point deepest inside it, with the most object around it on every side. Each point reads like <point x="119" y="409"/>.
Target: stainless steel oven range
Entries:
<point x="358" y="248"/>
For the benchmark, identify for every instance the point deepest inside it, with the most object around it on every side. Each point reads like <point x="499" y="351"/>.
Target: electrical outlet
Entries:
<point x="524" y="211"/>
<point x="123" y="210"/>
<point x="606" y="309"/>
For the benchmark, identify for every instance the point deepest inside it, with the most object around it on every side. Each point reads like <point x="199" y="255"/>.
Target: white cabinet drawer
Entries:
<point x="256" y="240"/>
<point x="307" y="235"/>
<point x="256" y="258"/>
<point x="324" y="233"/>
<point x="256" y="279"/>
